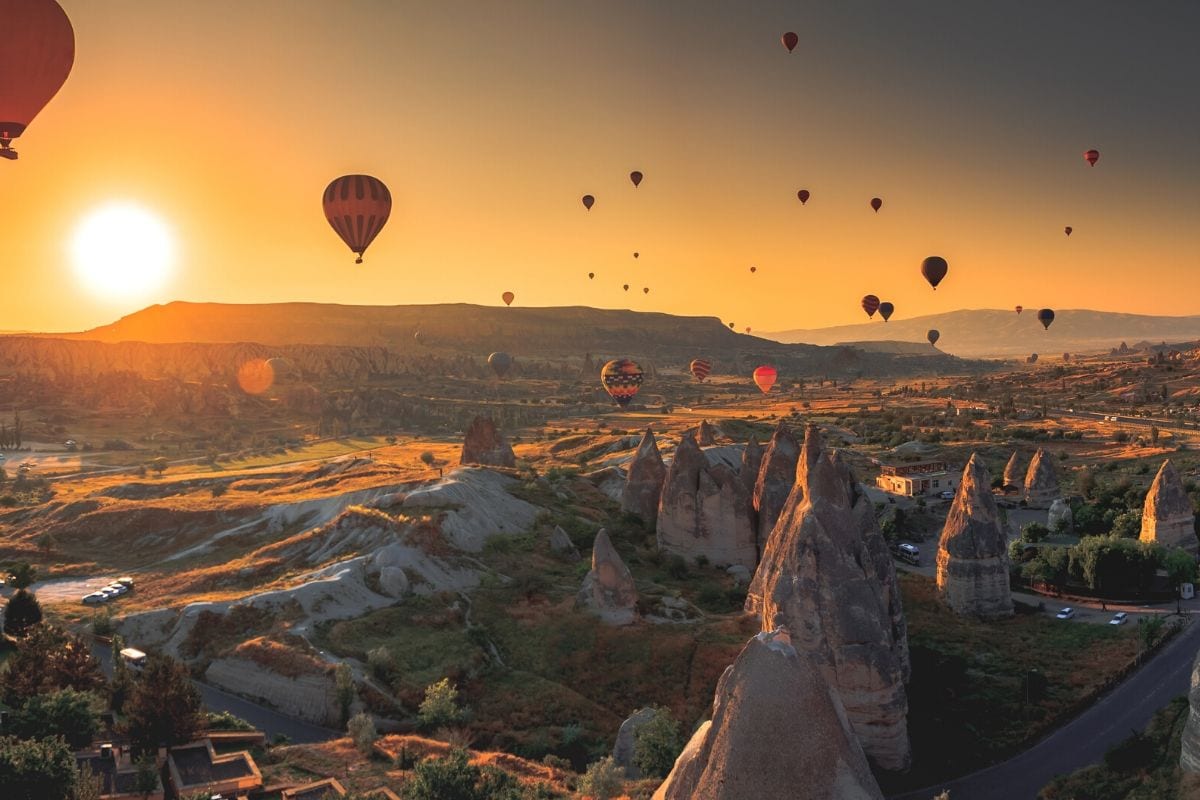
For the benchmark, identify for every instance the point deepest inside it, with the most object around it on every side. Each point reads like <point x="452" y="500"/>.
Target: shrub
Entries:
<point x="440" y="706"/>
<point x="656" y="744"/>
<point x="603" y="780"/>
<point x="22" y="613"/>
<point x="361" y="728"/>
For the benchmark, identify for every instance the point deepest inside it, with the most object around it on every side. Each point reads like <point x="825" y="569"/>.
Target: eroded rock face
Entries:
<point x="777" y="731"/>
<point x="705" y="510"/>
<point x="1041" y="481"/>
<point x="609" y="590"/>
<point x="820" y="579"/>
<point x="1060" y="516"/>
<point x="643" y="485"/>
<point x="623" y="748"/>
<point x="972" y="558"/>
<point x="1189" y="757"/>
<point x="561" y="544"/>
<point x="706" y="434"/>
<point x="1014" y="476"/>
<point x="776" y="477"/>
<point x="485" y="445"/>
<point x="752" y="455"/>
<point x="1167" y="516"/>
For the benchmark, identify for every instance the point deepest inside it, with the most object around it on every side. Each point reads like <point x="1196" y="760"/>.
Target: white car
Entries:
<point x="109" y="593"/>
<point x="95" y="598"/>
<point x="1066" y="613"/>
<point x="117" y="588"/>
<point x="1119" y="618"/>
<point x="947" y="495"/>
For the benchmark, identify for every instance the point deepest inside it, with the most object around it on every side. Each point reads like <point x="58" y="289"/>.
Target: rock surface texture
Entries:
<point x="777" y="731"/>
<point x="776" y="477"/>
<point x="1041" y="481"/>
<point x="1167" y="516"/>
<point x="1060" y="515"/>
<point x="644" y="483"/>
<point x="1014" y="476"/>
<point x="609" y="590"/>
<point x="623" y="748"/>
<point x="1189" y="757"/>
<point x="485" y="445"/>
<point x="752" y="455"/>
<point x="822" y="580"/>
<point x="561" y="544"/>
<point x="972" y="557"/>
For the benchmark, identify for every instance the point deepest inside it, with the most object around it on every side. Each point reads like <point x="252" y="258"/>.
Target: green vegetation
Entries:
<point x="603" y="780"/>
<point x="657" y="744"/>
<point x="164" y="708"/>
<point x="455" y="778"/>
<point x="36" y="769"/>
<point x="440" y="706"/>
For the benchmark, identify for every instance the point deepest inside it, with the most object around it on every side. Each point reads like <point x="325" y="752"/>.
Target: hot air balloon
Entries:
<point x="803" y="194"/>
<point x="731" y="326"/>
<point x="1046" y="316"/>
<point x="588" y="200"/>
<point x="790" y="40"/>
<point x="508" y="297"/>
<point x="700" y="369"/>
<point x="1066" y="356"/>
<point x="357" y="206"/>
<point x="37" y="50"/>
<point x="885" y="310"/>
<point x="621" y="379"/>
<point x="934" y="269"/>
<point x="1032" y="358"/>
<point x="1067" y="230"/>
<point x="625" y="287"/>
<point x="591" y="276"/>
<point x="1091" y="156"/>
<point x="500" y="363"/>
<point x="635" y="253"/>
<point x="753" y="270"/>
<point x="747" y="329"/>
<point x="280" y="367"/>
<point x="1020" y="309"/>
<point x="646" y="290"/>
<point x="870" y="304"/>
<point x="933" y="336"/>
<point x="636" y="177"/>
<point x="764" y="378"/>
<point x="876" y="204"/>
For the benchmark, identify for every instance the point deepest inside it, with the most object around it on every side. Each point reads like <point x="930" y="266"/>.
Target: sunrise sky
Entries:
<point x="489" y="121"/>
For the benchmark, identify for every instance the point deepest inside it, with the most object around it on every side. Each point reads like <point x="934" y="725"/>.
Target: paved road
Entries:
<point x="1084" y="740"/>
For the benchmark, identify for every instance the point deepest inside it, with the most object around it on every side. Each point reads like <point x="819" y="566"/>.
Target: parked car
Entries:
<point x="133" y="658"/>
<point x="109" y="593"/>
<point x="127" y="582"/>
<point x="947" y="495"/>
<point x="117" y="588"/>
<point x="909" y="552"/>
<point x="1118" y="618"/>
<point x="1066" y="613"/>
<point x="95" y="598"/>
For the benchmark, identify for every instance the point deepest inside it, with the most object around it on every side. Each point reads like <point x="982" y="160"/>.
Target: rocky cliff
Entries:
<point x="1167" y="516"/>
<point x="1189" y="757"/>
<point x="972" y="557"/>
<point x="776" y="477"/>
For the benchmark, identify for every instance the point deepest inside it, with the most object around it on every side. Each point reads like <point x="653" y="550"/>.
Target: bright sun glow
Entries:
<point x="122" y="251"/>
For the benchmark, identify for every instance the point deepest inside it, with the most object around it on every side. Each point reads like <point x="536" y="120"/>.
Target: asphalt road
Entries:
<point x="1084" y="740"/>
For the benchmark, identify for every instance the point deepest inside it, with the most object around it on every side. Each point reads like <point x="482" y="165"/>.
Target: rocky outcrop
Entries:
<point x="609" y="590"/>
<point x="705" y="433"/>
<point x="705" y="510"/>
<point x="486" y="446"/>
<point x="1014" y="476"/>
<point x="1041" y="481"/>
<point x="623" y="748"/>
<point x="561" y="544"/>
<point x="776" y="477"/>
<point x="1189" y="758"/>
<point x="972" y="558"/>
<point x="1060" y="516"/>
<point x="777" y="731"/>
<point x="821" y="580"/>
<point x="1167" y="516"/>
<point x="643" y="484"/>
<point x="752" y="455"/>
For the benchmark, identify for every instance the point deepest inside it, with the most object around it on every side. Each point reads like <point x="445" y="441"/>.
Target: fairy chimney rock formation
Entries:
<point x="1041" y="481"/>
<point x="776" y="477"/>
<point x="1014" y="478"/>
<point x="1189" y="757"/>
<point x="706" y="434"/>
<point x="1167" y="516"/>
<point x="561" y="544"/>
<point x="777" y="731"/>
<point x="705" y="510"/>
<point x="820" y="579"/>
<point x="485" y="445"/>
<point x="972" y="557"/>
<point x="609" y="590"/>
<point x="644" y="483"/>
<point x="752" y="455"/>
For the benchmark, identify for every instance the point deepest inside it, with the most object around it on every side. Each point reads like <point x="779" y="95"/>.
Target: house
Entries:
<point x="118" y="773"/>
<point x="917" y="479"/>
<point x="196" y="768"/>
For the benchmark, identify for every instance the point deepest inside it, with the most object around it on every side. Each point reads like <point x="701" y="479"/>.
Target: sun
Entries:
<point x="122" y="251"/>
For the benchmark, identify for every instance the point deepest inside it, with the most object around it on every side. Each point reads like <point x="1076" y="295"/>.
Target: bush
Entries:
<point x="656" y="744"/>
<point x="603" y="780"/>
<point x="677" y="567"/>
<point x="361" y="728"/>
<point x="225" y="721"/>
<point x="440" y="706"/>
<point x="36" y="769"/>
<point x="22" y="613"/>
<point x="65" y="713"/>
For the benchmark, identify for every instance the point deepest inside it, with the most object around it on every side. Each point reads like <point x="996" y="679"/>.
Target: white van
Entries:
<point x="134" y="659"/>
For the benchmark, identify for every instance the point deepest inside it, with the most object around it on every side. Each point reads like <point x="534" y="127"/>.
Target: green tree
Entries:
<point x="36" y="769"/>
<point x="1034" y="532"/>
<point x="604" y="779"/>
<point x="1150" y="629"/>
<point x="89" y="785"/>
<point x="65" y="713"/>
<point x="440" y="706"/>
<point x="22" y="575"/>
<point x="1128" y="525"/>
<point x="22" y="613"/>
<point x="362" y="730"/>
<point x="159" y="465"/>
<point x="1181" y="568"/>
<point x="449" y="778"/>
<point x="49" y="659"/>
<point x="343" y="678"/>
<point x="145" y="780"/>
<point x="164" y="708"/>
<point x="656" y="744"/>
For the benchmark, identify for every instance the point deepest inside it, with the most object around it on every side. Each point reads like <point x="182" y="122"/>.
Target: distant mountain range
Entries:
<point x="983" y="333"/>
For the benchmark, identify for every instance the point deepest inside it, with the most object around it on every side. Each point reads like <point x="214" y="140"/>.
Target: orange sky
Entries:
<point x="488" y="121"/>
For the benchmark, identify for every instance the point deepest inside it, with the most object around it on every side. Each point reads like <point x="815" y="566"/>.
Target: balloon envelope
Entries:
<point x="1020" y="309"/>
<point x="1091" y="156"/>
<point x="1067" y="230"/>
<point x="934" y="268"/>
<point x="508" y="297"/>
<point x="500" y="363"/>
<point x="646" y="290"/>
<point x="1046" y="316"/>
<point x="1032" y="358"/>
<point x="588" y="200"/>
<point x="636" y="177"/>
<point x="885" y="310"/>
<point x="626" y="287"/>
<point x="37" y="50"/>
<point x="753" y="270"/>
<point x="591" y="275"/>
<point x="790" y="40"/>
<point x="933" y="335"/>
<point x="700" y="368"/>
<point x="876" y="204"/>
<point x="870" y="304"/>
<point x="357" y="207"/>
<point x="621" y="378"/>
<point x="764" y="378"/>
<point x="803" y="194"/>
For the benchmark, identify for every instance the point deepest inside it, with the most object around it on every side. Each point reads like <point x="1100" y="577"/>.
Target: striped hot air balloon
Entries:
<point x="357" y="206"/>
<point x="700" y="369"/>
<point x="870" y="304"/>
<point x="764" y="378"/>
<point x="622" y="378"/>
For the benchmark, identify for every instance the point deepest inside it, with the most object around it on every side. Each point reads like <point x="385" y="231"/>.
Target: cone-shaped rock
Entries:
<point x="972" y="558"/>
<point x="752" y="456"/>
<point x="484" y="444"/>
<point x="1014" y="476"/>
<point x="818" y="578"/>
<point x="561" y="544"/>
<point x="777" y="731"/>
<point x="1167" y="516"/>
<point x="643" y="486"/>
<point x="776" y="477"/>
<point x="1189" y="758"/>
<point x="706" y="434"/>
<point x="608" y="590"/>
<point x="1041" y="481"/>
<point x="705" y="510"/>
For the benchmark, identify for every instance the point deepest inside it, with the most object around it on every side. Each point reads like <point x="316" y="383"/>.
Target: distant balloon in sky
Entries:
<point x="747" y="329"/>
<point x="790" y="40"/>
<point x="764" y="378"/>
<point x="885" y="310"/>
<point x="357" y="207"/>
<point x="876" y="204"/>
<point x="588" y="201"/>
<point x="280" y="367"/>
<point x="591" y="275"/>
<point x="1067" y="230"/>
<point x="1020" y="309"/>
<point x="1046" y="316"/>
<point x="870" y="304"/>
<point x="635" y="254"/>
<point x="731" y="326"/>
<point x="753" y="270"/>
<point x="626" y="287"/>
<point x="508" y="297"/>
<point x="255" y="376"/>
<point x="1091" y="156"/>
<point x="700" y="369"/>
<point x="500" y="363"/>
<point x="933" y="336"/>
<point x="1032" y="358"/>
<point x="419" y="337"/>
<point x="636" y="177"/>
<point x="37" y="50"/>
<point x="646" y="290"/>
<point x="803" y="194"/>
<point x="934" y="268"/>
<point x="621" y="378"/>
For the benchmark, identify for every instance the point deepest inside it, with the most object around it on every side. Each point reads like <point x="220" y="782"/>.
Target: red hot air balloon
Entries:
<point x="870" y="304"/>
<point x="37" y="50"/>
<point x="933" y="336"/>
<point x="700" y="369"/>
<point x="1066" y="356"/>
<point x="885" y="310"/>
<point x="1091" y="156"/>
<point x="803" y="194"/>
<point x="357" y="207"/>
<point x="876" y="204"/>
<point x="1020" y="309"/>
<point x="747" y="329"/>
<point x="508" y="297"/>
<point x="588" y="201"/>
<point x="1067" y="230"/>
<point x="934" y="269"/>
<point x="636" y="177"/>
<point x="621" y="378"/>
<point x="1046" y="316"/>
<point x="790" y="40"/>
<point x="764" y="378"/>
